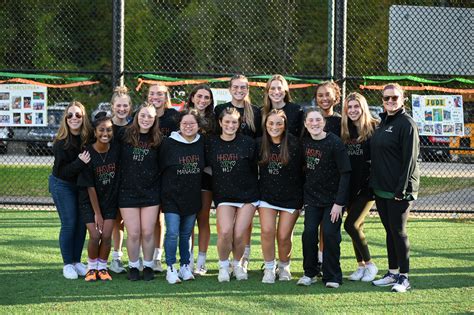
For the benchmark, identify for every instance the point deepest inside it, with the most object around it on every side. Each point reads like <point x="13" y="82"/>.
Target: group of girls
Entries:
<point x="166" y="167"/>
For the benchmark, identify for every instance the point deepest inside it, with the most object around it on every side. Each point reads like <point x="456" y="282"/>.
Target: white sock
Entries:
<point x="117" y="255"/>
<point x="394" y="271"/>
<point x="224" y="264"/>
<point x="101" y="264"/>
<point x="320" y="256"/>
<point x="283" y="264"/>
<point x="148" y="263"/>
<point x="158" y="254"/>
<point x="269" y="264"/>
<point x="236" y="263"/>
<point x="92" y="264"/>
<point x="134" y="264"/>
<point x="246" y="252"/>
<point x="201" y="260"/>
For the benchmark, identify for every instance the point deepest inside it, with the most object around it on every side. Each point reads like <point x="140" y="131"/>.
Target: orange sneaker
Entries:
<point x="91" y="275"/>
<point x="104" y="275"/>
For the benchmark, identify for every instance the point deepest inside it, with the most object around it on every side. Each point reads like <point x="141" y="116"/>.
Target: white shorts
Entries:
<point x="237" y="204"/>
<point x="264" y="204"/>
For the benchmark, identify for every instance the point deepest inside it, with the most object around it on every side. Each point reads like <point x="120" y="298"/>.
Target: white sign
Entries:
<point x="438" y="115"/>
<point x="221" y="96"/>
<point x="23" y="105"/>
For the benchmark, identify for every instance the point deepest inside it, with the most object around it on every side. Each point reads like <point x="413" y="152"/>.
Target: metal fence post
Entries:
<point x="330" y="66"/>
<point x="118" y="35"/>
<point x="341" y="34"/>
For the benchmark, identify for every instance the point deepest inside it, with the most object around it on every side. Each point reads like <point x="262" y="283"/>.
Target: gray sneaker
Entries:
<point x="387" y="280"/>
<point x="116" y="266"/>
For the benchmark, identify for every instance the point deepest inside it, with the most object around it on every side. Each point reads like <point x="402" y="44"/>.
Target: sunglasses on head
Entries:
<point x="70" y="115"/>
<point x="393" y="97"/>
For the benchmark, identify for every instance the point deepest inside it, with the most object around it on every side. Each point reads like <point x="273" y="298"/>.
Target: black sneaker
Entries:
<point x="148" y="274"/>
<point x="133" y="274"/>
<point x="402" y="284"/>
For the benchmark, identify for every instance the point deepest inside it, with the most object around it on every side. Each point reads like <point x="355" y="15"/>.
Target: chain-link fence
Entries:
<point x="206" y="39"/>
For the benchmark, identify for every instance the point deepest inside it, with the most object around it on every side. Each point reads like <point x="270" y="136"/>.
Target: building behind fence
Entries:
<point x="348" y="41"/>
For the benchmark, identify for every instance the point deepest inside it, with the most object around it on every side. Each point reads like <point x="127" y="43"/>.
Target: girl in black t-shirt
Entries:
<point x="358" y="126"/>
<point x="281" y="193"/>
<point x="121" y="117"/>
<point x="232" y="157"/>
<point x="139" y="194"/>
<point x="159" y="96"/>
<point x="98" y="196"/>
<point x="327" y="170"/>
<point x="202" y="100"/>
<point x="182" y="163"/>
<point x="328" y="95"/>
<point x="277" y="96"/>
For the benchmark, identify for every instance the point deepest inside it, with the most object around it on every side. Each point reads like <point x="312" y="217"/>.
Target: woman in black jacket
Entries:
<point x="395" y="179"/>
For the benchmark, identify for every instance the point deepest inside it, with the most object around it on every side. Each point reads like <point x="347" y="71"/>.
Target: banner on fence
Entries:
<point x="221" y="96"/>
<point x="23" y="105"/>
<point x="438" y="115"/>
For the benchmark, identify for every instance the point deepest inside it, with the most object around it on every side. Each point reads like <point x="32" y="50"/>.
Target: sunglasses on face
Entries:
<point x="70" y="115"/>
<point x="393" y="97"/>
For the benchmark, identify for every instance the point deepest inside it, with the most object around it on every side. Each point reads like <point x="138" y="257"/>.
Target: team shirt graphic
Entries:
<point x="189" y="165"/>
<point x="227" y="161"/>
<point x="313" y="156"/>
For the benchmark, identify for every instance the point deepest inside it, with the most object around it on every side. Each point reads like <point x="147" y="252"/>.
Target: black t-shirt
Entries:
<point x="333" y="124"/>
<point x="182" y="165"/>
<point x="244" y="127"/>
<point x="102" y="172"/>
<point x="327" y="171"/>
<point x="234" y="169"/>
<point x="139" y="174"/>
<point x="67" y="164"/>
<point x="169" y="121"/>
<point x="294" y="114"/>
<point x="282" y="185"/>
<point x="359" y="155"/>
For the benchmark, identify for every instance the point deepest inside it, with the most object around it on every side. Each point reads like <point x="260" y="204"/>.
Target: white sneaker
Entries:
<point x="305" y="280"/>
<point x="332" y="285"/>
<point x="172" y="275"/>
<point x="240" y="273"/>
<point x="185" y="273"/>
<point x="370" y="273"/>
<point x="358" y="274"/>
<point x="200" y="270"/>
<point x="402" y="285"/>
<point x="157" y="266"/>
<point x="116" y="266"/>
<point x="245" y="263"/>
<point x="388" y="279"/>
<point x="81" y="269"/>
<point x="269" y="275"/>
<point x="224" y="275"/>
<point x="69" y="272"/>
<point x="284" y="273"/>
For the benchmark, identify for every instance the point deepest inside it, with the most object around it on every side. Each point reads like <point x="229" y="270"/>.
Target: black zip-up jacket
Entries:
<point x="395" y="146"/>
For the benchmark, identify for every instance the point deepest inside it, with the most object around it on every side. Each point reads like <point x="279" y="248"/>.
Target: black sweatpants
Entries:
<point x="394" y="216"/>
<point x="313" y="216"/>
<point x="354" y="225"/>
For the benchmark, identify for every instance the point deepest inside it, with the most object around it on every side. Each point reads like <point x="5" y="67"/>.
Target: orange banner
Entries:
<point x="421" y="88"/>
<point x="54" y="86"/>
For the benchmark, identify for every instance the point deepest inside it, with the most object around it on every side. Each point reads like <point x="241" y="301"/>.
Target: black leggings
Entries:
<point x="354" y="226"/>
<point x="394" y="216"/>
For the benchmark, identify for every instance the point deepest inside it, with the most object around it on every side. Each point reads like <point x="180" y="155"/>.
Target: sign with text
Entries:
<point x="438" y="115"/>
<point x="23" y="105"/>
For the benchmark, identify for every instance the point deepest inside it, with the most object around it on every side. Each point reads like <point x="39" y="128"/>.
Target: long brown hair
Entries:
<point x="367" y="123"/>
<point x="132" y="133"/>
<point x="267" y="103"/>
<point x="265" y="151"/>
<point x="248" y="110"/>
<point x="65" y="134"/>
<point x="208" y="122"/>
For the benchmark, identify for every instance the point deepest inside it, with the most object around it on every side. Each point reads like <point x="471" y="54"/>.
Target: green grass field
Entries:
<point x="33" y="181"/>
<point x="442" y="276"/>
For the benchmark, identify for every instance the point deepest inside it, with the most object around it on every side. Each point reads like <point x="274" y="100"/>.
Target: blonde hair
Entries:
<point x="267" y="103"/>
<point x="248" y="110"/>
<point x="167" y="93"/>
<point x="367" y="123"/>
<point x="333" y="85"/>
<point x="120" y="91"/>
<point x="86" y="129"/>
<point x="132" y="133"/>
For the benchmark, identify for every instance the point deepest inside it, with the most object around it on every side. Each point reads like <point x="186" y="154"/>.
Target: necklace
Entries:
<point x="103" y="155"/>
